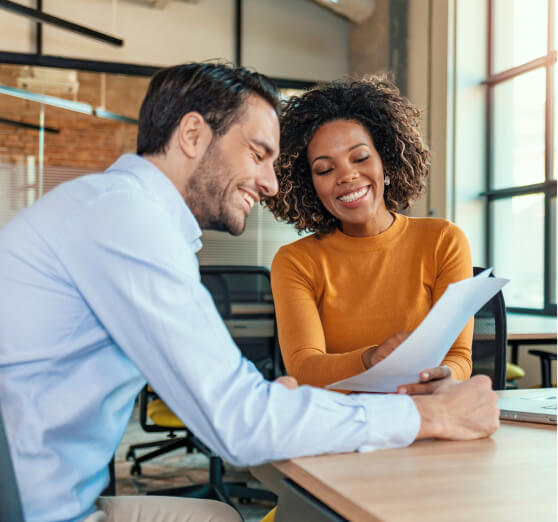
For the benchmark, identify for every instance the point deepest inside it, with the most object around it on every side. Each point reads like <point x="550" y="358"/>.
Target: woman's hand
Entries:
<point x="374" y="355"/>
<point x="430" y="381"/>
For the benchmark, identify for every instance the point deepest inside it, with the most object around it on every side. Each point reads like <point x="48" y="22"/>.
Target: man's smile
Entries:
<point x="249" y="198"/>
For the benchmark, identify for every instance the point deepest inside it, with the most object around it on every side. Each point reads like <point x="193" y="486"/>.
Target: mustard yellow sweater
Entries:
<point x="337" y="296"/>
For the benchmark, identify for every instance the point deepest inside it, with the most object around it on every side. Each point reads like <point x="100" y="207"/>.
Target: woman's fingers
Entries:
<point x="430" y="381"/>
<point x="433" y="374"/>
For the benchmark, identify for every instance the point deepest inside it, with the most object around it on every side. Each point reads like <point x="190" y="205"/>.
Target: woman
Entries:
<point x="351" y="158"/>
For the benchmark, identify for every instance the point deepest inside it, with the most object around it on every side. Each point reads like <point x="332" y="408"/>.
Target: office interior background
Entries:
<point x="483" y="71"/>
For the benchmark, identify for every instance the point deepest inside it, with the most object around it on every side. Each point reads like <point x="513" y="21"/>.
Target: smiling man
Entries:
<point x="105" y="268"/>
<point x="228" y="173"/>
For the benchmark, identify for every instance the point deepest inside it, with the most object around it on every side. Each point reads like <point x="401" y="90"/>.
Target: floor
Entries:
<point x="175" y="469"/>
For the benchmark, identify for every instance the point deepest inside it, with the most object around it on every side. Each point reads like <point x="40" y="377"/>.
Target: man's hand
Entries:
<point x="430" y="381"/>
<point x="288" y="382"/>
<point x="459" y="410"/>
<point x="375" y="354"/>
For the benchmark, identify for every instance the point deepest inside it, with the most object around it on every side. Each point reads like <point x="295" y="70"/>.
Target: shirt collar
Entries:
<point x="157" y="183"/>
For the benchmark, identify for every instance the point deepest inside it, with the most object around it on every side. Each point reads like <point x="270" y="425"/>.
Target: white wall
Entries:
<point x="295" y="39"/>
<point x="288" y="38"/>
<point x="178" y="33"/>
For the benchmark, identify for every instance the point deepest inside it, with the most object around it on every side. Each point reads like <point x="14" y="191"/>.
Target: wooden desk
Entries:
<point x="510" y="476"/>
<point x="525" y="329"/>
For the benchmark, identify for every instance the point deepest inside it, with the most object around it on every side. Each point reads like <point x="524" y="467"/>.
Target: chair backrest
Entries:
<point x="243" y="297"/>
<point x="490" y="340"/>
<point x="10" y="503"/>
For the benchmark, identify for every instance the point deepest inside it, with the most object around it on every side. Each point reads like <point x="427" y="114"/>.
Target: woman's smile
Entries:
<point x="354" y="198"/>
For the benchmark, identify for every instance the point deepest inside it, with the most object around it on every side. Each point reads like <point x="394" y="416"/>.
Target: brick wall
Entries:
<point x="84" y="142"/>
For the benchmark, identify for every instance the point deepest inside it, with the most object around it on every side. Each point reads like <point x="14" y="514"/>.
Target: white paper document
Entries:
<point x="429" y="343"/>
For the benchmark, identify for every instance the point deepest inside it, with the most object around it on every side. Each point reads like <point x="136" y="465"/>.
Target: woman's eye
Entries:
<point x="360" y="160"/>
<point x="324" y="171"/>
<point x="257" y="157"/>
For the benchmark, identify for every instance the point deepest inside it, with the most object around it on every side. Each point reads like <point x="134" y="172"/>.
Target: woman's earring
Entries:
<point x="387" y="181"/>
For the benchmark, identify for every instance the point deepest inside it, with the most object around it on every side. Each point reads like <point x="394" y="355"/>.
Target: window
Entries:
<point x="521" y="195"/>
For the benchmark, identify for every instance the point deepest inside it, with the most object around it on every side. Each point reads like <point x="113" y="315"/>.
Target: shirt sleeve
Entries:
<point x="140" y="277"/>
<point x="455" y="264"/>
<point x="300" y="330"/>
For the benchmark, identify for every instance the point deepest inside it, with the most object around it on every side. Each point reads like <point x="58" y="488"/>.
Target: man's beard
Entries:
<point x="206" y="194"/>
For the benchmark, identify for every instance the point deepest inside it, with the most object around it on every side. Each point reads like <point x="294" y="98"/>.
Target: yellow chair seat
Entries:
<point x="514" y="372"/>
<point x="161" y="415"/>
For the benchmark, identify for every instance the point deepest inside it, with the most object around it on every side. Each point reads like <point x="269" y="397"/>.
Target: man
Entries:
<point x="100" y="291"/>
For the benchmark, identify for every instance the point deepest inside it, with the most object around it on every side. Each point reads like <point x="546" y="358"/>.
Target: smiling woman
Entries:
<point x="348" y="177"/>
<point x="351" y="157"/>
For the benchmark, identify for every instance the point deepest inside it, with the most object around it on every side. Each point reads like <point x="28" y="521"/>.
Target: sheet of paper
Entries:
<point x="429" y="343"/>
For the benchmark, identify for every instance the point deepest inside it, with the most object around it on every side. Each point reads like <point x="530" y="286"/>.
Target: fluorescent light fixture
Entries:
<point x="68" y="105"/>
<point x="100" y="112"/>
<point x="53" y="101"/>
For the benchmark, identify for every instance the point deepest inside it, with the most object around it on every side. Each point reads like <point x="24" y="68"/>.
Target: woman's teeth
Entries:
<point x="353" y="196"/>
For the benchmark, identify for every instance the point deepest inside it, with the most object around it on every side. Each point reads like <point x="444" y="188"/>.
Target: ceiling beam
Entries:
<point x="41" y="17"/>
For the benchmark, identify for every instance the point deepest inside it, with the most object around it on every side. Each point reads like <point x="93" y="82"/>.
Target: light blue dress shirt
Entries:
<point x="99" y="291"/>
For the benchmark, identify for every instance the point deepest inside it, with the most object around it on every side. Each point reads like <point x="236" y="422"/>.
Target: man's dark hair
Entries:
<point x="216" y="90"/>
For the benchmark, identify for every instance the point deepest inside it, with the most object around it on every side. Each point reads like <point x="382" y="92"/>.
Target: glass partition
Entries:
<point x="58" y="124"/>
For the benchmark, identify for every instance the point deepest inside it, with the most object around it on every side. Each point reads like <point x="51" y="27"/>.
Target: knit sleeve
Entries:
<point x="454" y="263"/>
<point x="301" y="336"/>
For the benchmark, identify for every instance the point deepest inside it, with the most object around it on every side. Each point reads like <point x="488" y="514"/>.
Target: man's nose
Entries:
<point x="267" y="181"/>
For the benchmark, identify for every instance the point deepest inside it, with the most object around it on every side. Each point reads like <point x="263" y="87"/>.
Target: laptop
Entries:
<point x="530" y="405"/>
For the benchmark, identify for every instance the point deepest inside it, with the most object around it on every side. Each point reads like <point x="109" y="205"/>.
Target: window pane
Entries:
<point x="518" y="131"/>
<point x="520" y="32"/>
<point x="553" y="250"/>
<point x="518" y="247"/>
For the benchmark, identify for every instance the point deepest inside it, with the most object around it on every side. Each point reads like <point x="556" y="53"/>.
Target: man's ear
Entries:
<point x="194" y="135"/>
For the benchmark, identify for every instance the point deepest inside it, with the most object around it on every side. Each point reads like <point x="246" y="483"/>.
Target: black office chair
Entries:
<point x="490" y="339"/>
<point x="242" y="295"/>
<point x="10" y="501"/>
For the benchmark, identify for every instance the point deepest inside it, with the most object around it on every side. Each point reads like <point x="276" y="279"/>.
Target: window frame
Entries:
<point x="548" y="186"/>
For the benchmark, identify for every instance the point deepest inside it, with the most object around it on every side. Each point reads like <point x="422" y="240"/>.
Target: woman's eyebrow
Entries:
<point x="319" y="158"/>
<point x="328" y="157"/>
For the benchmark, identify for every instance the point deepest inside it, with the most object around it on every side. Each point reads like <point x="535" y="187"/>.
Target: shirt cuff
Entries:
<point x="393" y="421"/>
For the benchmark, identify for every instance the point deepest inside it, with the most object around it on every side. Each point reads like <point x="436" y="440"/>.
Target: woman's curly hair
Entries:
<point x="392" y="123"/>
